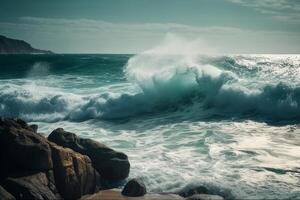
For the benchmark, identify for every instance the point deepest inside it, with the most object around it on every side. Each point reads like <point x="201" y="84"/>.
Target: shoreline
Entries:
<point x="65" y="166"/>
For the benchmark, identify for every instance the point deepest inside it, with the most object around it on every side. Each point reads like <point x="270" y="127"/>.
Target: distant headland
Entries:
<point x="14" y="46"/>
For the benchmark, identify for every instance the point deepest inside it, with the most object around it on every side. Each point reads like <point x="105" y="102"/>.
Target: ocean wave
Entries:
<point x="187" y="85"/>
<point x="173" y="81"/>
<point x="33" y="103"/>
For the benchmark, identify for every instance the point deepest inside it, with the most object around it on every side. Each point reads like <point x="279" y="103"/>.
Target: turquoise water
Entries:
<point x="227" y="122"/>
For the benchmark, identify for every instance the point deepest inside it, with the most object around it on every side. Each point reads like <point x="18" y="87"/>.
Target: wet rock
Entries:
<point x="5" y="195"/>
<point x="35" y="186"/>
<point x="34" y="168"/>
<point x="205" y="197"/>
<point x="110" y="164"/>
<point x="134" y="188"/>
<point x="190" y="190"/>
<point x="21" y="150"/>
<point x="14" y="122"/>
<point x="73" y="173"/>
<point x="34" y="127"/>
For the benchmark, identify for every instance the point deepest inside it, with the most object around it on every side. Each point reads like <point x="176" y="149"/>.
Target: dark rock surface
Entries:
<point x="110" y="164"/>
<point x="34" y="127"/>
<point x="134" y="188"/>
<point x="34" y="168"/>
<point x="66" y="167"/>
<point x="13" y="46"/>
<point x="5" y="195"/>
<point x="36" y="186"/>
<point x="21" y="150"/>
<point x="14" y="122"/>
<point x="73" y="172"/>
<point x="205" y="197"/>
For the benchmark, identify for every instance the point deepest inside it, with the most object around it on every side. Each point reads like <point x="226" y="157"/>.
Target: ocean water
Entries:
<point x="229" y="122"/>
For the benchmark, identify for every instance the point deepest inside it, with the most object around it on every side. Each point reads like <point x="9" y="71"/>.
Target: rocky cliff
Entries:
<point x="13" y="46"/>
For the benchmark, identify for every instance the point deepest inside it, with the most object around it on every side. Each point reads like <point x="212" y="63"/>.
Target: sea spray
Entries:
<point x="173" y="74"/>
<point x="39" y="69"/>
<point x="208" y="121"/>
<point x="174" y="77"/>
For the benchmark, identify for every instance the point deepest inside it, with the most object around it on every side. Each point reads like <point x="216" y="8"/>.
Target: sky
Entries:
<point x="132" y="26"/>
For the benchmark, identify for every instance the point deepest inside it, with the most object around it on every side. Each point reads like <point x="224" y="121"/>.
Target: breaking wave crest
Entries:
<point x="188" y="85"/>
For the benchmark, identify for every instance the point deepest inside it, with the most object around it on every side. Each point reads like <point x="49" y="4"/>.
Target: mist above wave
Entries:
<point x="170" y="78"/>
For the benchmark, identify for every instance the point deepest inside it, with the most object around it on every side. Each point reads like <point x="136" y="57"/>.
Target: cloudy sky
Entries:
<point x="130" y="26"/>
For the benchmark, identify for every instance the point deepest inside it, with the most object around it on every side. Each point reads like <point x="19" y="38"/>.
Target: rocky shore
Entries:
<point x="65" y="166"/>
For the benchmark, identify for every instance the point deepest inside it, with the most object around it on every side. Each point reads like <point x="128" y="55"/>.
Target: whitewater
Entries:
<point x="228" y="122"/>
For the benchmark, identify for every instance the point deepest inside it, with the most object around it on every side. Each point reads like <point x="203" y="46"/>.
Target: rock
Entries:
<point x="110" y="164"/>
<point x="5" y="195"/>
<point x="34" y="127"/>
<point x="205" y="197"/>
<point x="13" y="46"/>
<point x="190" y="190"/>
<point x="13" y="122"/>
<point x="21" y="150"/>
<point x="36" y="187"/>
<point x="34" y="168"/>
<point x="73" y="173"/>
<point x="134" y="188"/>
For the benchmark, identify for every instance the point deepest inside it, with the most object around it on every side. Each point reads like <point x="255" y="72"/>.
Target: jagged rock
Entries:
<point x="14" y="122"/>
<point x="134" y="188"/>
<point x="21" y="150"/>
<point x="5" y="195"/>
<point x="34" y="127"/>
<point x="205" y="197"/>
<point x="73" y="172"/>
<point x="36" y="187"/>
<point x="190" y="190"/>
<point x="110" y="164"/>
<point x="34" y="168"/>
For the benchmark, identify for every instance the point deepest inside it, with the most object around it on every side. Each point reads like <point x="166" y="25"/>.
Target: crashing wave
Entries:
<point x="186" y="84"/>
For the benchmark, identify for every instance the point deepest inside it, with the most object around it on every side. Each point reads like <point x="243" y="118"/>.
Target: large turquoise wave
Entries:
<point x="186" y="86"/>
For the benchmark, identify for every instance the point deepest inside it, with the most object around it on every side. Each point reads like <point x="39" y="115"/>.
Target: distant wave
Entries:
<point x="187" y="85"/>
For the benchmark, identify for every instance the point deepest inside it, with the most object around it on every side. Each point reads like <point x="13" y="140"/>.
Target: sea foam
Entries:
<point x="174" y="77"/>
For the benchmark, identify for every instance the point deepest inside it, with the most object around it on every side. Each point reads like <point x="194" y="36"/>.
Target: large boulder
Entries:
<point x="110" y="164"/>
<point x="22" y="150"/>
<point x="5" y="195"/>
<point x="37" y="187"/>
<point x="34" y="168"/>
<point x="73" y="172"/>
<point x="134" y="188"/>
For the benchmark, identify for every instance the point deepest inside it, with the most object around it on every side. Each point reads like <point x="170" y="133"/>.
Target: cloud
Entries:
<point x="283" y="10"/>
<point x="94" y="36"/>
<point x="98" y="25"/>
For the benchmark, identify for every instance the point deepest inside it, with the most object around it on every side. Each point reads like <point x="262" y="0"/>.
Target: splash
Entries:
<point x="175" y="71"/>
<point x="174" y="78"/>
<point x="172" y="68"/>
<point x="39" y="69"/>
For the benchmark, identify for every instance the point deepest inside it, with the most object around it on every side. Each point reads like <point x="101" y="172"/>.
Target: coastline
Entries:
<point x="65" y="166"/>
